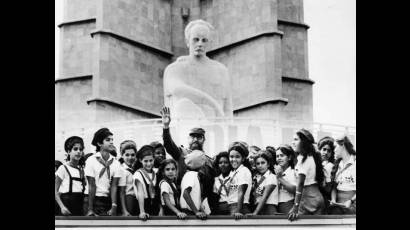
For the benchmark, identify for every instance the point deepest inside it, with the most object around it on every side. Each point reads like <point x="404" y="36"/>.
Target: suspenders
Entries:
<point x="174" y="190"/>
<point x="81" y="179"/>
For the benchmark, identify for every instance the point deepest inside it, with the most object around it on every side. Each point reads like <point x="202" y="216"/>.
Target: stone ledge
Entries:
<point x="133" y="42"/>
<point x="287" y="78"/>
<point x="81" y="21"/>
<point x="296" y="24"/>
<point x="245" y="40"/>
<point x="281" y="221"/>
<point x="124" y="105"/>
<point x="73" y="78"/>
<point x="263" y="102"/>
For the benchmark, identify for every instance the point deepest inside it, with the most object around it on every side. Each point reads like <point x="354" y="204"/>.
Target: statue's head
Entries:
<point x="198" y="37"/>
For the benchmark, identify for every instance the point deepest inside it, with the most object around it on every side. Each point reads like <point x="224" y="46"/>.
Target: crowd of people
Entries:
<point x="304" y="178"/>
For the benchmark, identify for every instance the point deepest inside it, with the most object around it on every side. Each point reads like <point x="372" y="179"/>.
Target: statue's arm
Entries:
<point x="183" y="90"/>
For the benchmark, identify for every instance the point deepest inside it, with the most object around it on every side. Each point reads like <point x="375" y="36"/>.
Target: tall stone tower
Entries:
<point x="114" y="52"/>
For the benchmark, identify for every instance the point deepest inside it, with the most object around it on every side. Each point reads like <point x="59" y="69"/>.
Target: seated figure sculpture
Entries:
<point x="195" y="85"/>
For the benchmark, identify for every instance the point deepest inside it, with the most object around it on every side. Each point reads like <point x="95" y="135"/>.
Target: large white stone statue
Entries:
<point x="194" y="85"/>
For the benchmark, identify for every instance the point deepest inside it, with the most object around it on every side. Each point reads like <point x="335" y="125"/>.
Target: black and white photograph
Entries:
<point x="205" y="114"/>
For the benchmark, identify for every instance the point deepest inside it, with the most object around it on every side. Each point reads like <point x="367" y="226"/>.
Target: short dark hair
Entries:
<point x="146" y="150"/>
<point x="217" y="158"/>
<point x="157" y="144"/>
<point x="241" y="149"/>
<point x="99" y="137"/>
<point x="330" y="142"/>
<point x="71" y="141"/>
<point x="263" y="154"/>
<point x="164" y="163"/>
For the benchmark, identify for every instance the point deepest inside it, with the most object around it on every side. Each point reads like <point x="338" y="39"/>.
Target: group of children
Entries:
<point x="304" y="178"/>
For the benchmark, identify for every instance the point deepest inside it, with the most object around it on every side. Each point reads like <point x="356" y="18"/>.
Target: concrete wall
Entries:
<point x="76" y="50"/>
<point x="129" y="74"/>
<point x="239" y="19"/>
<point x="79" y="9"/>
<point x="71" y="100"/>
<point x="290" y="10"/>
<point x="294" y="51"/>
<point x="255" y="71"/>
<point x="300" y="106"/>
<point x="146" y="21"/>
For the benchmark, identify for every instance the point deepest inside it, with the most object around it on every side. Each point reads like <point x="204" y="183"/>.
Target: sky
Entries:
<point x="331" y="57"/>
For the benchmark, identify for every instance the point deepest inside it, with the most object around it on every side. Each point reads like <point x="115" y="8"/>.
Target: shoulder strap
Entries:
<point x="258" y="183"/>
<point x="175" y="191"/>
<point x="70" y="190"/>
<point x="146" y="184"/>
<point x="130" y="170"/>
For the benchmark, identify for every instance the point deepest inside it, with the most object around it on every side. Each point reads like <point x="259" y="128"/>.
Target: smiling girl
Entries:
<point x="129" y="203"/>
<point x="264" y="187"/>
<point x="70" y="179"/>
<point x="240" y="182"/>
<point x="285" y="174"/>
<point x="144" y="183"/>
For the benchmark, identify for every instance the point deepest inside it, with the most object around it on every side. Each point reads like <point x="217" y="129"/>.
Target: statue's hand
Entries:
<point x="166" y="116"/>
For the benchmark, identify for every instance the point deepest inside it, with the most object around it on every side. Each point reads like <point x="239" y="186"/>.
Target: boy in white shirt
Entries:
<point x="191" y="188"/>
<point x="103" y="172"/>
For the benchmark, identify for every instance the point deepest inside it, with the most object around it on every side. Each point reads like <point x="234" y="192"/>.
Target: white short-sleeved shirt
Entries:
<point x="308" y="168"/>
<point x="127" y="180"/>
<point x="93" y="168"/>
<point x="290" y="176"/>
<point x="327" y="170"/>
<point x="65" y="184"/>
<point x="217" y="185"/>
<point x="190" y="179"/>
<point x="346" y="180"/>
<point x="139" y="176"/>
<point x="270" y="179"/>
<point x="240" y="176"/>
<point x="165" y="188"/>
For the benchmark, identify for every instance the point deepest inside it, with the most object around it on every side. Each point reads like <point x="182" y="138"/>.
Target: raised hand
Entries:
<point x="166" y="116"/>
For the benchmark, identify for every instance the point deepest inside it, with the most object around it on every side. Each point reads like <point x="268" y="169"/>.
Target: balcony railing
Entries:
<point x="220" y="222"/>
